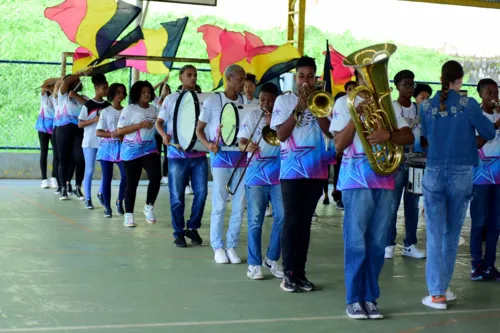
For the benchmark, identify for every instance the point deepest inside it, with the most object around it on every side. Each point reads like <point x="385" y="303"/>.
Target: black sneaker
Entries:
<point x="180" y="241"/>
<point x="70" y="189"/>
<point x="78" y="193"/>
<point x="101" y="200"/>
<point x="88" y="204"/>
<point x="477" y="273"/>
<point x="304" y="284"/>
<point x="119" y="207"/>
<point x="59" y="190"/>
<point x="64" y="194"/>
<point x="108" y="213"/>
<point x="289" y="283"/>
<point x="356" y="311"/>
<point x="340" y="205"/>
<point x="372" y="311"/>
<point x="194" y="236"/>
<point x="326" y="201"/>
<point x="492" y="274"/>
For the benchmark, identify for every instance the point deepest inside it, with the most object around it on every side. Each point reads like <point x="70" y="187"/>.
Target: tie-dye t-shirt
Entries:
<point x="264" y="168"/>
<point x="141" y="142"/>
<point x="68" y="110"/>
<point x="355" y="170"/>
<point x="167" y="114"/>
<point x="90" y="110"/>
<point x="210" y="114"/>
<point x="412" y="117"/>
<point x="45" y="120"/>
<point x="487" y="172"/>
<point x="303" y="153"/>
<point x="109" y="148"/>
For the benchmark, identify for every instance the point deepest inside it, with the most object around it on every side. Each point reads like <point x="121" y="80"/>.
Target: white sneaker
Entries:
<point x="129" y="220"/>
<point x="149" y="211"/>
<point x="389" y="252"/>
<point x="412" y="251"/>
<point x="53" y="182"/>
<point x="435" y="304"/>
<point x="274" y="267"/>
<point x="450" y="295"/>
<point x="233" y="257"/>
<point x="45" y="184"/>
<point x="164" y="180"/>
<point x="269" y="211"/>
<point x="255" y="273"/>
<point x="189" y="190"/>
<point x="221" y="257"/>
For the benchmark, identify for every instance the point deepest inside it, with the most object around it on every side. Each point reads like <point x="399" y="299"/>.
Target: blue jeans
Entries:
<point x="410" y="202"/>
<point x="366" y="221"/>
<point x="484" y="212"/>
<point x="180" y="170"/>
<point x="219" y="201"/>
<point x="90" y="158"/>
<point x="107" y="177"/>
<point x="256" y="210"/>
<point x="447" y="192"/>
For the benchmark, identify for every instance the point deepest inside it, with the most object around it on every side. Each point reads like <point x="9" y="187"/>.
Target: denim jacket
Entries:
<point x="451" y="133"/>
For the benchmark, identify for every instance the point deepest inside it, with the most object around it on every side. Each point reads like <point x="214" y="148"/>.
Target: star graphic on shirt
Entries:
<point x="356" y="173"/>
<point x="484" y="170"/>
<point x="294" y="154"/>
<point x="335" y="114"/>
<point x="225" y="157"/>
<point x="259" y="172"/>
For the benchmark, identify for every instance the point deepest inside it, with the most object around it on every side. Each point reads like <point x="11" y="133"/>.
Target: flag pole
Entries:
<point x="139" y="21"/>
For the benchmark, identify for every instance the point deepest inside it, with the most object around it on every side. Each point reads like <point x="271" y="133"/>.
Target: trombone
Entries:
<point x="269" y="136"/>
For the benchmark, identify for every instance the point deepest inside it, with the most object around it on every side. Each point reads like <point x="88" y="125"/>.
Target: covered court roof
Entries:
<point x="469" y="3"/>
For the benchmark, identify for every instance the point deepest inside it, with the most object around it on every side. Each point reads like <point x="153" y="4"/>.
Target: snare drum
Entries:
<point x="186" y="112"/>
<point x="231" y="118"/>
<point x="416" y="167"/>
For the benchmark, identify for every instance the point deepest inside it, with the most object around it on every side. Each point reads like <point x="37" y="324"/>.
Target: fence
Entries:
<point x="20" y="96"/>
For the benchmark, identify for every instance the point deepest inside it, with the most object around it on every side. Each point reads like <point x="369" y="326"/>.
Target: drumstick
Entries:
<point x="218" y="137"/>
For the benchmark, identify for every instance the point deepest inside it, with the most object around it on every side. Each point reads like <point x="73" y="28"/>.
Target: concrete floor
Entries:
<point x="65" y="269"/>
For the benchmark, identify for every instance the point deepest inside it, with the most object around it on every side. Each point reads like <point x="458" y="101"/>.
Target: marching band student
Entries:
<point x="69" y="135"/>
<point x="422" y="92"/>
<point x="88" y="118"/>
<point x="138" y="150"/>
<point x="484" y="207"/>
<point x="165" y="90"/>
<point x="249" y="89"/>
<point x="365" y="228"/>
<point x="109" y="148"/>
<point x="350" y="86"/>
<point x="182" y="167"/>
<point x="302" y="173"/>
<point x="261" y="183"/>
<point x="404" y="82"/>
<point x="44" y="125"/>
<point x="449" y="121"/>
<point x="223" y="164"/>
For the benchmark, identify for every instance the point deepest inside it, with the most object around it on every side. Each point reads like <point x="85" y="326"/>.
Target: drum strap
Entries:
<point x="222" y="102"/>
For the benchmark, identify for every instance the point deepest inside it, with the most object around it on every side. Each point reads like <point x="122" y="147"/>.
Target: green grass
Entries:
<point x="25" y="34"/>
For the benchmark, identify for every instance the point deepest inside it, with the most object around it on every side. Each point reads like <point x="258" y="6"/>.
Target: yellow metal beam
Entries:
<point x="468" y="3"/>
<point x="296" y="30"/>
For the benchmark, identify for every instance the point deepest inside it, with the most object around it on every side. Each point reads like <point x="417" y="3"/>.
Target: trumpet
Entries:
<point x="319" y="103"/>
<point x="496" y="105"/>
<point x="270" y="137"/>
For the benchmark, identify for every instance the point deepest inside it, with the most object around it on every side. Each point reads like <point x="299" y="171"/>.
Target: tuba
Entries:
<point x="371" y="63"/>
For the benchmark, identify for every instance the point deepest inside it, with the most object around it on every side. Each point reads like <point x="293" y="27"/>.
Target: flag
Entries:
<point x="93" y="24"/>
<point x="225" y="48"/>
<point x="163" y="42"/>
<point x="339" y="74"/>
<point x="327" y="71"/>
<point x="82" y="59"/>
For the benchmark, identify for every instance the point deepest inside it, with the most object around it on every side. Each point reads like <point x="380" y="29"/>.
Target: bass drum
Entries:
<point x="231" y="118"/>
<point x="186" y="113"/>
<point x="416" y="167"/>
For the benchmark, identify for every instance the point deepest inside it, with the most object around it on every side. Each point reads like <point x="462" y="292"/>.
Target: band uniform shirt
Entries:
<point x="109" y="148"/>
<point x="68" y="110"/>
<point x="210" y="114"/>
<point x="264" y="168"/>
<point x="141" y="142"/>
<point x="167" y="112"/>
<point x="487" y="172"/>
<point x="412" y="117"/>
<point x="355" y="171"/>
<point x="89" y="111"/>
<point x="45" y="120"/>
<point x="302" y="154"/>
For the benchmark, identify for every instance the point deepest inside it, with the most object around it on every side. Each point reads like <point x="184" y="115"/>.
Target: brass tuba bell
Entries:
<point x="372" y="63"/>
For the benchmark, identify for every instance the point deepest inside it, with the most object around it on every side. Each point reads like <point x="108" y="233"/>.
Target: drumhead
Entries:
<point x="186" y="112"/>
<point x="230" y="122"/>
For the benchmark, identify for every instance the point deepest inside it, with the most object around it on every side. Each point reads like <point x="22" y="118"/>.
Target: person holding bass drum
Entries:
<point x="223" y="164"/>
<point x="183" y="165"/>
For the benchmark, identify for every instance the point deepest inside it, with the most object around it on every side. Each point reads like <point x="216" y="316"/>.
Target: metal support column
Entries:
<point x="296" y="29"/>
